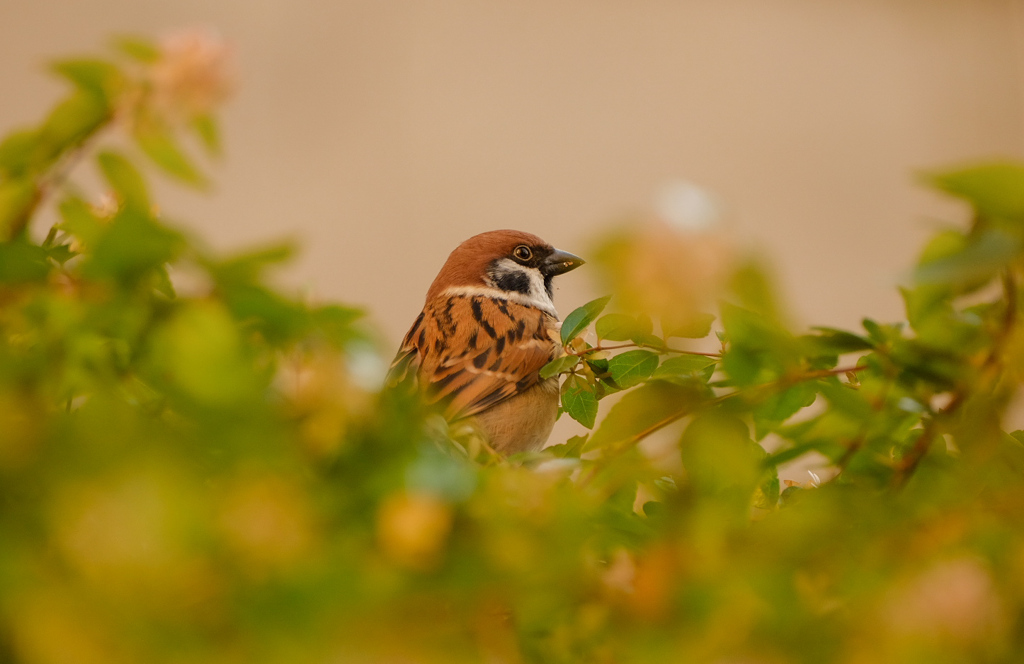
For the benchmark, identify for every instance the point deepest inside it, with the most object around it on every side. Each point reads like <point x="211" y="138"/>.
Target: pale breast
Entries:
<point x="523" y="422"/>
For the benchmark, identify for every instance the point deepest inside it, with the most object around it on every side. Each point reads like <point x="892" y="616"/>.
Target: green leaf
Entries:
<point x="199" y="350"/>
<point x="337" y="323"/>
<point x="248" y="267"/>
<point x="60" y="253"/>
<point x="846" y="399"/>
<point x="559" y="365"/>
<point x="838" y="342"/>
<point x="787" y="454"/>
<point x="683" y="366"/>
<point x="569" y="449"/>
<point x="579" y="401"/>
<point x="124" y="179"/>
<point x="641" y="409"/>
<point x="21" y="262"/>
<point x="779" y="407"/>
<point x="767" y="495"/>
<point x="758" y="349"/>
<point x="132" y="244"/>
<point x="277" y="318"/>
<point x="138" y="48"/>
<point x="208" y="131"/>
<point x="985" y="255"/>
<point x="632" y="367"/>
<point x="580" y="318"/>
<point x="755" y="291"/>
<point x="720" y="458"/>
<point x="17" y="150"/>
<point x="696" y="326"/>
<point x="17" y="200"/>
<point x="931" y="314"/>
<point x="879" y="334"/>
<point x="79" y="220"/>
<point x="97" y="77"/>
<point x="996" y="190"/>
<point x="649" y="340"/>
<point x="618" y="327"/>
<point x="70" y="122"/>
<point x="163" y="284"/>
<point x="159" y="145"/>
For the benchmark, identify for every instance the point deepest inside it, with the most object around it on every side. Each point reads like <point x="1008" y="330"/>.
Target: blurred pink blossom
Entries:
<point x="193" y="75"/>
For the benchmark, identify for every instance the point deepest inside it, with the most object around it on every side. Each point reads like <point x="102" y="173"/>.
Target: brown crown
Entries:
<point x="467" y="264"/>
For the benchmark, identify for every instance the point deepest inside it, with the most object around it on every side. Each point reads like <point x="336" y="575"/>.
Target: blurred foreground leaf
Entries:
<point x="996" y="190"/>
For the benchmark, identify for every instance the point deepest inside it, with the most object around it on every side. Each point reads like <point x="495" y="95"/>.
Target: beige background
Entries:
<point x="380" y="134"/>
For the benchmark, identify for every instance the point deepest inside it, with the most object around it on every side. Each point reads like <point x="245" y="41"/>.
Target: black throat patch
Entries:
<point x="515" y="281"/>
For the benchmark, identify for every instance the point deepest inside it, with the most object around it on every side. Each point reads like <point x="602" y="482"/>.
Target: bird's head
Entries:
<point x="519" y="264"/>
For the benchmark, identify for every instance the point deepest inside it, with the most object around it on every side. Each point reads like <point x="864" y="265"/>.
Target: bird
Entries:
<point x="487" y="327"/>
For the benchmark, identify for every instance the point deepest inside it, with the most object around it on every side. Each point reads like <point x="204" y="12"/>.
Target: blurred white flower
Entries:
<point x="687" y="207"/>
<point x="366" y="367"/>
<point x="193" y="74"/>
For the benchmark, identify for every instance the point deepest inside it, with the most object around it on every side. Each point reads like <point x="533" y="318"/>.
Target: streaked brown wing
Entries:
<point x="470" y="353"/>
<point x="406" y="364"/>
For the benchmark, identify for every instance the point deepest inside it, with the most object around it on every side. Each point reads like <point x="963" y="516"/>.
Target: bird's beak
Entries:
<point x="560" y="262"/>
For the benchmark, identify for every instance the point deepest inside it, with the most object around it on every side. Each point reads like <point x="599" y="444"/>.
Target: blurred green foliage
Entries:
<point x="207" y="476"/>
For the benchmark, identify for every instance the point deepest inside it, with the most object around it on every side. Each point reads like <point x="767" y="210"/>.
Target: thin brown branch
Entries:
<point x="660" y="349"/>
<point x="826" y="373"/>
<point x="54" y="178"/>
<point x="680" y="351"/>
<point x="905" y="469"/>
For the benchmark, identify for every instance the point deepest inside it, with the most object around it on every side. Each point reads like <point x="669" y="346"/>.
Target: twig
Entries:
<point x="58" y="174"/>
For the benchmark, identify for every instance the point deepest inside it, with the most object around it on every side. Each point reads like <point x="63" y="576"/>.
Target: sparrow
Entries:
<point x="487" y="327"/>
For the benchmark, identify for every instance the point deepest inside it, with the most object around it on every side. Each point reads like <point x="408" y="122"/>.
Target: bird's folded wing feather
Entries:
<point x="471" y="353"/>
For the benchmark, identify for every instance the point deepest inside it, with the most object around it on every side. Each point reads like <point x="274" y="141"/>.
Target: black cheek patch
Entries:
<point x="514" y="282"/>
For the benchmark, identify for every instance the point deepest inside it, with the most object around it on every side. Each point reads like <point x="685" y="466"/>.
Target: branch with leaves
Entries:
<point x="874" y="419"/>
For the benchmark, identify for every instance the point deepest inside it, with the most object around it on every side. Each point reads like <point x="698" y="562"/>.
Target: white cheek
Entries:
<point x="538" y="293"/>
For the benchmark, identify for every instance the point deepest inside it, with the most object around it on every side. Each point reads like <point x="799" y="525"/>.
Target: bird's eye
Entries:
<point x="522" y="252"/>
